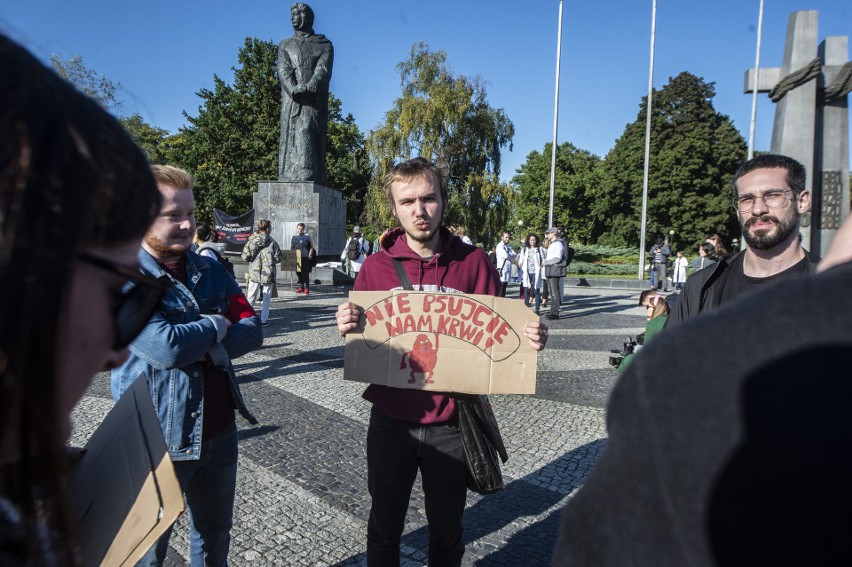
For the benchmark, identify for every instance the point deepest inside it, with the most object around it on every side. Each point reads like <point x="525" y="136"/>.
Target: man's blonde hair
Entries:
<point x="172" y="176"/>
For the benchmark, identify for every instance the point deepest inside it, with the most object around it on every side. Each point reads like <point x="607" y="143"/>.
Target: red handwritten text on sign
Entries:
<point x="456" y="316"/>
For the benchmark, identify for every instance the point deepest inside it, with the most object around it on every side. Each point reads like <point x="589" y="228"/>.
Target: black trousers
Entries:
<point x="662" y="281"/>
<point x="395" y="451"/>
<point x="555" y="295"/>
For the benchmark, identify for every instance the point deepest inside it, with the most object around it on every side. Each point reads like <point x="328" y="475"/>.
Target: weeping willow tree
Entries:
<point x="445" y="118"/>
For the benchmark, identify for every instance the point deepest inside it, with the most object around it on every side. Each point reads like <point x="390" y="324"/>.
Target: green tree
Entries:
<point x="233" y="141"/>
<point x="694" y="153"/>
<point x="577" y="180"/>
<point x="446" y="118"/>
<point x="96" y="85"/>
<point x="154" y="141"/>
<point x="346" y="163"/>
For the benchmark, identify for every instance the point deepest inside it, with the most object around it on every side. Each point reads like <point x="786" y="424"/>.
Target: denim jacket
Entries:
<point x="169" y="350"/>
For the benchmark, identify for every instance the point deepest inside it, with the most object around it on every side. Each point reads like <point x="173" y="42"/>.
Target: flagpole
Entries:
<point x="555" y="117"/>
<point x="647" y="145"/>
<point x="756" y="83"/>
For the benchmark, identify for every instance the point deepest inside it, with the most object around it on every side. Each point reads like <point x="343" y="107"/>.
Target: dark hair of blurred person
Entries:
<point x="76" y="198"/>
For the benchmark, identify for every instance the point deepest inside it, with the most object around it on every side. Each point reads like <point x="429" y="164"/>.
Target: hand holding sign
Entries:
<point x="537" y="333"/>
<point x="348" y="315"/>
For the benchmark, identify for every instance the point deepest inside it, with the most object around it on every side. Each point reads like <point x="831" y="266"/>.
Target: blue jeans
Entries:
<point x="208" y="485"/>
<point x="395" y="450"/>
<point x="528" y="291"/>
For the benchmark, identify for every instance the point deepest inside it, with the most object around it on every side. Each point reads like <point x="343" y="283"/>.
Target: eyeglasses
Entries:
<point x="133" y="306"/>
<point x="774" y="199"/>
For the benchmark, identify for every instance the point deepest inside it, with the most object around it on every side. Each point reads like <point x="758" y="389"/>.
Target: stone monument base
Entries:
<point x="287" y="203"/>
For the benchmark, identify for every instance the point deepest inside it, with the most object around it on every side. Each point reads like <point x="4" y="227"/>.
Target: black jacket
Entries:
<point x="699" y="293"/>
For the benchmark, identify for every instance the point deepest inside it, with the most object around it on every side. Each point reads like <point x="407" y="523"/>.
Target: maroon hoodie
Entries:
<point x="456" y="268"/>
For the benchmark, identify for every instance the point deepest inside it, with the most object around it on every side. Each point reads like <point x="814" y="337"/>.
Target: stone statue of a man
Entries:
<point x="304" y="70"/>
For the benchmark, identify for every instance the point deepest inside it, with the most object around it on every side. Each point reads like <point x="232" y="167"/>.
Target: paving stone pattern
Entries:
<point x="301" y="487"/>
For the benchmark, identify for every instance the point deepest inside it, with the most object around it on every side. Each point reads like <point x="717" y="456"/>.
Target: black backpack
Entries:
<point x="353" y="249"/>
<point x="226" y="263"/>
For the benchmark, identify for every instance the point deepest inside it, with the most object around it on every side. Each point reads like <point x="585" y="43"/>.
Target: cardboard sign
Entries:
<point x="124" y="492"/>
<point x="443" y="342"/>
<point x="291" y="260"/>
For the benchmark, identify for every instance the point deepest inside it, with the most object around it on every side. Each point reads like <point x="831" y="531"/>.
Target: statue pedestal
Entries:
<point x="287" y="203"/>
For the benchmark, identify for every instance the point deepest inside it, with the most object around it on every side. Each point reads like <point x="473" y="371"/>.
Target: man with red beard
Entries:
<point x="185" y="353"/>
<point x="769" y="197"/>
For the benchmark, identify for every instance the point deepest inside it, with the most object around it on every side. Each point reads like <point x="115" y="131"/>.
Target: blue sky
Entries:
<point x="163" y="52"/>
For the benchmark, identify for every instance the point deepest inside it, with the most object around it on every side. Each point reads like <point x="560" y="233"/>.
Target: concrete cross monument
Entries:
<point x="812" y="120"/>
<point x="300" y="194"/>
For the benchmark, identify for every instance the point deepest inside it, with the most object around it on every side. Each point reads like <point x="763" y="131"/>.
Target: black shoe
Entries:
<point x="551" y="317"/>
<point x="265" y="324"/>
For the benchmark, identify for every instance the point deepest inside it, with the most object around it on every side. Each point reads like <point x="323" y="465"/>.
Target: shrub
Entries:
<point x="587" y="268"/>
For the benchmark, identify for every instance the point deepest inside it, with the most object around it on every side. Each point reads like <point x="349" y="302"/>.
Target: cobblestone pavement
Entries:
<point x="302" y="490"/>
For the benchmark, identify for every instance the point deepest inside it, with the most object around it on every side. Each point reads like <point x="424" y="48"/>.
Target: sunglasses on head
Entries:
<point x="134" y="306"/>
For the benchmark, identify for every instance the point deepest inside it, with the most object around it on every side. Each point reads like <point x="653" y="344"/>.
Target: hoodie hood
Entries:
<point x="425" y="273"/>
<point x="262" y="239"/>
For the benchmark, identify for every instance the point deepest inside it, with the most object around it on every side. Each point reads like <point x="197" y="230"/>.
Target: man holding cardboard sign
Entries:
<point x="411" y="428"/>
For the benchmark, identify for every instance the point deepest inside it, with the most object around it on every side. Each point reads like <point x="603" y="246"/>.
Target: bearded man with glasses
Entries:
<point x="769" y="198"/>
<point x="184" y="351"/>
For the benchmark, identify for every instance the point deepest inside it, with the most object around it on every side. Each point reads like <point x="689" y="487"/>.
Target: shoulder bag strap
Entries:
<point x="400" y="272"/>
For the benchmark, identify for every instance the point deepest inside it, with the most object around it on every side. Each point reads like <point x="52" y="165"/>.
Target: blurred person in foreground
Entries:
<point x="744" y="461"/>
<point x="71" y="175"/>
